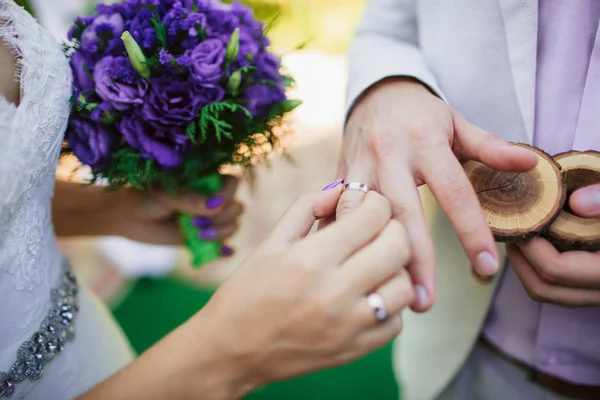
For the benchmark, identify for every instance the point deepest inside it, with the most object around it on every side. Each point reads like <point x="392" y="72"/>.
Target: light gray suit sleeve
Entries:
<point x="386" y="44"/>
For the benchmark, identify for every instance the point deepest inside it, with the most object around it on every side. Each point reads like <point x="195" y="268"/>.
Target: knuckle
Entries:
<point x="418" y="131"/>
<point x="345" y="206"/>
<point x="536" y="293"/>
<point x="457" y="192"/>
<point x="377" y="206"/>
<point x="549" y="274"/>
<point x="381" y="143"/>
<point x="400" y="209"/>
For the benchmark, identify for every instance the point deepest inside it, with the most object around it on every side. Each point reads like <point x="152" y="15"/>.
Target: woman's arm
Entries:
<point x="190" y="363"/>
<point x="90" y="210"/>
<point x="295" y="306"/>
<point x="85" y="210"/>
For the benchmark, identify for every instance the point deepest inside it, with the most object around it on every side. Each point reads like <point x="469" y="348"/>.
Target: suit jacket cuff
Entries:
<point x="374" y="58"/>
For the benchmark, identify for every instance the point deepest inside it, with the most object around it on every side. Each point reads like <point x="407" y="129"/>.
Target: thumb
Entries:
<point x="301" y="216"/>
<point x="585" y="202"/>
<point x="474" y="143"/>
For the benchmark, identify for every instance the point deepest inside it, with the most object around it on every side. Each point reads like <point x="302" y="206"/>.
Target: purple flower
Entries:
<point x="164" y="57"/>
<point x="76" y="29"/>
<point x="81" y="72"/>
<point x="207" y="61"/>
<point x="267" y="65"/>
<point x="261" y="97"/>
<point x="122" y="96"/>
<point x="92" y="143"/>
<point x="100" y="32"/>
<point x="165" y="146"/>
<point x="142" y="30"/>
<point x="175" y="102"/>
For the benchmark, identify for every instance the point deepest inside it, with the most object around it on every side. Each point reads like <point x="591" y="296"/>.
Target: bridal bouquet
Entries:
<point x="165" y="92"/>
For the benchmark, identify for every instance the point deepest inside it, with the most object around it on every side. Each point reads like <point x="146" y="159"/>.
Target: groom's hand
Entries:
<point x="568" y="279"/>
<point x="400" y="136"/>
<point x="586" y="201"/>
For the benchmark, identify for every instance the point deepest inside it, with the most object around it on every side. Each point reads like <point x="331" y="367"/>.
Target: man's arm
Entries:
<point x="387" y="45"/>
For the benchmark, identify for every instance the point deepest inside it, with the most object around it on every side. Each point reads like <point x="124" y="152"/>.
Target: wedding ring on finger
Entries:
<point x="375" y="301"/>
<point x="356" y="186"/>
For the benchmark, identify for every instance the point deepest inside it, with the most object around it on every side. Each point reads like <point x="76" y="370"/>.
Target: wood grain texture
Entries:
<point x="569" y="231"/>
<point x="518" y="206"/>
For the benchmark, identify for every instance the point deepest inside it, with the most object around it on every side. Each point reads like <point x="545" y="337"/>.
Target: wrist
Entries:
<point x="227" y="366"/>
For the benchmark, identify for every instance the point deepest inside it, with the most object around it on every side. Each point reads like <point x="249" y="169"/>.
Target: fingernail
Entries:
<point x="422" y="296"/>
<point x="202" y="222"/>
<point x="226" y="251"/>
<point x="209" y="233"/>
<point x="214" y="202"/>
<point x="333" y="184"/>
<point x="590" y="199"/>
<point x="487" y="264"/>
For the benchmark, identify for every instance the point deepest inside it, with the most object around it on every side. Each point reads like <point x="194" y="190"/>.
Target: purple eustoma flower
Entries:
<point x="261" y="97"/>
<point x="122" y="96"/>
<point x="177" y="102"/>
<point x="82" y="70"/>
<point x="103" y="30"/>
<point x="91" y="142"/>
<point x="166" y="146"/>
<point x="207" y="61"/>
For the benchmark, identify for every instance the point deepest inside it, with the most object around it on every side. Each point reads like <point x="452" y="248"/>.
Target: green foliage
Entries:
<point x="211" y="117"/>
<point x="161" y="31"/>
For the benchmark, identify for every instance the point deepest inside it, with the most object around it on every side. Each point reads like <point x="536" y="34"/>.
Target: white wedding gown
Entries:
<point x="32" y="268"/>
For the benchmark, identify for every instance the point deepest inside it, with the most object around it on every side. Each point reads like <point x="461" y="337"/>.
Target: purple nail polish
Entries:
<point x="202" y="222"/>
<point x="226" y="251"/>
<point x="208" y="234"/>
<point x="214" y="202"/>
<point x="333" y="184"/>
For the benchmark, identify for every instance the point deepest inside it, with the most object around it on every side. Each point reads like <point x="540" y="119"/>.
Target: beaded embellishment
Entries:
<point x="45" y="344"/>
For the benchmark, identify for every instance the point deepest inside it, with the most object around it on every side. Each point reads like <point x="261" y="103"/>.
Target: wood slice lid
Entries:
<point x="518" y="206"/>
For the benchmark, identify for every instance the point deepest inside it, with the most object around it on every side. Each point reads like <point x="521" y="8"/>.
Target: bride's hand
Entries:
<point x="295" y="306"/>
<point x="300" y="304"/>
<point x="150" y="217"/>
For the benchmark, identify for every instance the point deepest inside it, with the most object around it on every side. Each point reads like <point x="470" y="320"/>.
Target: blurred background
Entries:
<point x="152" y="289"/>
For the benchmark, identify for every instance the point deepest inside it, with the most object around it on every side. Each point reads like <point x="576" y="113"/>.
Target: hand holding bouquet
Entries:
<point x="165" y="92"/>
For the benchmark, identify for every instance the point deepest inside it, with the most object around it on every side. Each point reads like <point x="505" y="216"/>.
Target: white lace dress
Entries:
<point x="31" y="265"/>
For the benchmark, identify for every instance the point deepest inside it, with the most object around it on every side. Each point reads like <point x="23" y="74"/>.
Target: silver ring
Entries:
<point x="375" y="301"/>
<point x="356" y="186"/>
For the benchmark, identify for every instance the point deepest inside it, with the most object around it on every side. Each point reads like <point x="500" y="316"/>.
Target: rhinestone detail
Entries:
<point x="45" y="344"/>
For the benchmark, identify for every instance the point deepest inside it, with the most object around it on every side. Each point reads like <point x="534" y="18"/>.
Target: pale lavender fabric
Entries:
<point x="560" y="341"/>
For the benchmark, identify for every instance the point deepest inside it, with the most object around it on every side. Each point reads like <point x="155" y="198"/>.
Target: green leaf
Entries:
<point x="87" y="71"/>
<point x="191" y="131"/>
<point x="160" y="29"/>
<point x="290" y="104"/>
<point x="91" y="106"/>
<point x="288" y="81"/>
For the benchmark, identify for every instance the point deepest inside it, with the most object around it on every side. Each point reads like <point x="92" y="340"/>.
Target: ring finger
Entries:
<point x="395" y="294"/>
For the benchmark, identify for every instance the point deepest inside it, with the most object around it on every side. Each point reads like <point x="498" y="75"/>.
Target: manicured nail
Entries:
<point x="422" y="296"/>
<point x="208" y="234"/>
<point x="226" y="251"/>
<point x="333" y="184"/>
<point x="590" y="199"/>
<point x="487" y="264"/>
<point x="214" y="202"/>
<point x="202" y="222"/>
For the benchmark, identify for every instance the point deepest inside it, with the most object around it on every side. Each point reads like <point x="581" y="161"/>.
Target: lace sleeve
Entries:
<point x="32" y="132"/>
<point x="10" y="185"/>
